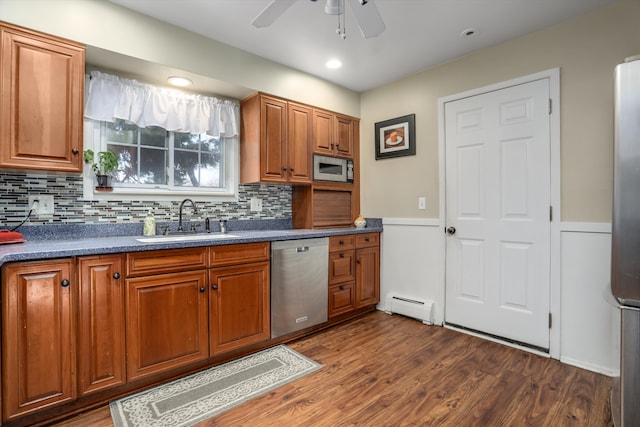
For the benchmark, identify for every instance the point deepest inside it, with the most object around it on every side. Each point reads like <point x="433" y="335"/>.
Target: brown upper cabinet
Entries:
<point x="333" y="134"/>
<point x="41" y="101"/>
<point x="275" y="141"/>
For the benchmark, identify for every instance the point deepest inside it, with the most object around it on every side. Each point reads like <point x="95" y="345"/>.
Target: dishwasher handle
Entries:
<point x="302" y="249"/>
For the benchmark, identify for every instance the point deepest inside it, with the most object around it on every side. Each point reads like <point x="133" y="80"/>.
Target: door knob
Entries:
<point x="451" y="230"/>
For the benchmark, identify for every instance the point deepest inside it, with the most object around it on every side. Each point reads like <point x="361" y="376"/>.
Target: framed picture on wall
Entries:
<point x="396" y="137"/>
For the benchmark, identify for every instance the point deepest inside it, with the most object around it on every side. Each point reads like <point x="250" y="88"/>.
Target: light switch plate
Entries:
<point x="256" y="204"/>
<point x="45" y="204"/>
<point x="422" y="203"/>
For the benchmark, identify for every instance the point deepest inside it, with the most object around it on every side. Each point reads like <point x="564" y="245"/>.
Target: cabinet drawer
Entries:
<point x="341" y="267"/>
<point x="368" y="239"/>
<point x="154" y="262"/>
<point x="342" y="243"/>
<point x="341" y="298"/>
<point x="244" y="253"/>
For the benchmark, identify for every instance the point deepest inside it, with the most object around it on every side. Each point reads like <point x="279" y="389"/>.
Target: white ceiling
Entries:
<point x="419" y="34"/>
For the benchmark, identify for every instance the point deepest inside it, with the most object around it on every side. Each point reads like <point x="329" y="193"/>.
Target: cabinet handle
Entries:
<point x="65" y="283"/>
<point x="75" y="150"/>
<point x="291" y="169"/>
<point x="366" y="239"/>
<point x="358" y="262"/>
<point x="284" y="168"/>
<point x="341" y="255"/>
<point x="202" y="289"/>
<point x="342" y="287"/>
<point x="332" y="145"/>
<point x="341" y="242"/>
<point x="214" y="287"/>
<point x="116" y="275"/>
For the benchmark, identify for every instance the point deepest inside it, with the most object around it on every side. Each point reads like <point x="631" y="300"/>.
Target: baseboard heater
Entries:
<point x="410" y="307"/>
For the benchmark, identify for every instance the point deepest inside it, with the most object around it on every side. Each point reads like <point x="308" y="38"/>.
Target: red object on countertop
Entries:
<point x="7" y="236"/>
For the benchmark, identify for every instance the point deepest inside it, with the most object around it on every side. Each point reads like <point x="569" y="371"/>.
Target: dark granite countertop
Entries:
<point x="77" y="245"/>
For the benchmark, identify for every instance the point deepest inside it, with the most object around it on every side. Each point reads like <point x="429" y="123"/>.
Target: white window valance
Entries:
<point x="111" y="97"/>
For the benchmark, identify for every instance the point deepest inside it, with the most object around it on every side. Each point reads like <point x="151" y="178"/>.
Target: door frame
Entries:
<point x="554" y="135"/>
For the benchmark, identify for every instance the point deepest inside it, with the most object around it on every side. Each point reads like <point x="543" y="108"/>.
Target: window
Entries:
<point x="168" y="142"/>
<point x="152" y="160"/>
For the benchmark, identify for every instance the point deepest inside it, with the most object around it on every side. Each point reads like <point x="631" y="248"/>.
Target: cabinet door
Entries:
<point x="273" y="128"/>
<point x="367" y="276"/>
<point x="38" y="339"/>
<point x="167" y="322"/>
<point x="299" y="143"/>
<point x="239" y="306"/>
<point x="101" y="353"/>
<point x="41" y="101"/>
<point x="341" y="298"/>
<point x="344" y="136"/>
<point x="341" y="267"/>
<point x="323" y="129"/>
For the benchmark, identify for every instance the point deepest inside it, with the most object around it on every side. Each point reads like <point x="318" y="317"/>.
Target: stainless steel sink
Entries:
<point x="185" y="238"/>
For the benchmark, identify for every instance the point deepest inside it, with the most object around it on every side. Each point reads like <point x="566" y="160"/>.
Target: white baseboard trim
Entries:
<point x="590" y="367"/>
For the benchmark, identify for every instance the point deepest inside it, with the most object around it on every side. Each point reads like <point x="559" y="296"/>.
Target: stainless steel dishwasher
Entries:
<point x="299" y="280"/>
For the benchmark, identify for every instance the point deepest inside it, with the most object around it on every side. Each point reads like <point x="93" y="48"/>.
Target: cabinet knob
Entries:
<point x="65" y="283"/>
<point x="202" y="289"/>
<point x="291" y="169"/>
<point x="358" y="262"/>
<point x="342" y="287"/>
<point x="75" y="150"/>
<point x="366" y="239"/>
<point x="284" y="168"/>
<point x="116" y="275"/>
<point x="341" y="242"/>
<point x="214" y="287"/>
<point x="341" y="255"/>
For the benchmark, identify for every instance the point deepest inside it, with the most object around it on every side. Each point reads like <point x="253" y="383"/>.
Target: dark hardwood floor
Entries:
<point x="383" y="370"/>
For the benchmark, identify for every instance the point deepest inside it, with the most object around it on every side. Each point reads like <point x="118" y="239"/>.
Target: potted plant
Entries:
<point x="106" y="163"/>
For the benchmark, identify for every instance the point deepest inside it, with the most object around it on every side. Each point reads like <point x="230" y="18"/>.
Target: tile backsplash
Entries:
<point x="72" y="208"/>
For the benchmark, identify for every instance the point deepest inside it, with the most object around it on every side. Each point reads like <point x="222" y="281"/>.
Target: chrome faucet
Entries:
<point x="195" y="211"/>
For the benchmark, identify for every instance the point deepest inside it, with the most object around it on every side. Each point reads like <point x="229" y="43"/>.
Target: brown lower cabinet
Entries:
<point x="239" y="306"/>
<point x="354" y="272"/>
<point x="76" y="331"/>
<point x="167" y="322"/>
<point x="38" y="336"/>
<point x="101" y="329"/>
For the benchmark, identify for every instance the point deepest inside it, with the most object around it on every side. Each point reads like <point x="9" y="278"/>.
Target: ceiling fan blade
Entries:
<point x="368" y="17"/>
<point x="271" y="13"/>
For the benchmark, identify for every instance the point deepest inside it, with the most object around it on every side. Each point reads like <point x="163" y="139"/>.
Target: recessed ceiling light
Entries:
<point x="179" y="81"/>
<point x="334" y="63"/>
<point x="469" y="32"/>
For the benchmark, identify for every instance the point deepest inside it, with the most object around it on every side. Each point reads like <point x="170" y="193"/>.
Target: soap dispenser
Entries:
<point x="149" y="227"/>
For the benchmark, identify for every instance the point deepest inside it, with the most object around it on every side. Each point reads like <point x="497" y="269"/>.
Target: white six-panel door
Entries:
<point x="498" y="201"/>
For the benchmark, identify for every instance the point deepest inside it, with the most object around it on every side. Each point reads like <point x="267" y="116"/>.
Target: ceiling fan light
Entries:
<point x="334" y="7"/>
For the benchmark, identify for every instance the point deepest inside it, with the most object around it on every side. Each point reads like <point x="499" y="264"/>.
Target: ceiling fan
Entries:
<point x="365" y="12"/>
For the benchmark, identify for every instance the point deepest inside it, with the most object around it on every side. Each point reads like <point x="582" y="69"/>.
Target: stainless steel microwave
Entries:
<point x="332" y="169"/>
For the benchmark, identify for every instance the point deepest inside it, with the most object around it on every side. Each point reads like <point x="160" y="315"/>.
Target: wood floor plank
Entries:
<point x="383" y="370"/>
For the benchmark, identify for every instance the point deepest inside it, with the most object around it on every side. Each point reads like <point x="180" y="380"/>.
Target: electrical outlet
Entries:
<point x="256" y="204"/>
<point x="422" y="203"/>
<point x="45" y="204"/>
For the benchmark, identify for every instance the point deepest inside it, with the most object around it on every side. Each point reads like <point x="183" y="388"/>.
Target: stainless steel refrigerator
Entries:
<point x="625" y="260"/>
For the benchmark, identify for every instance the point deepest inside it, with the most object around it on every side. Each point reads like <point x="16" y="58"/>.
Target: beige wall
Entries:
<point x="108" y="26"/>
<point x="585" y="49"/>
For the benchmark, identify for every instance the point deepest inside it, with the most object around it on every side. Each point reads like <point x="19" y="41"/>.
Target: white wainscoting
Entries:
<point x="589" y="325"/>
<point x="412" y="264"/>
<point x="412" y="261"/>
